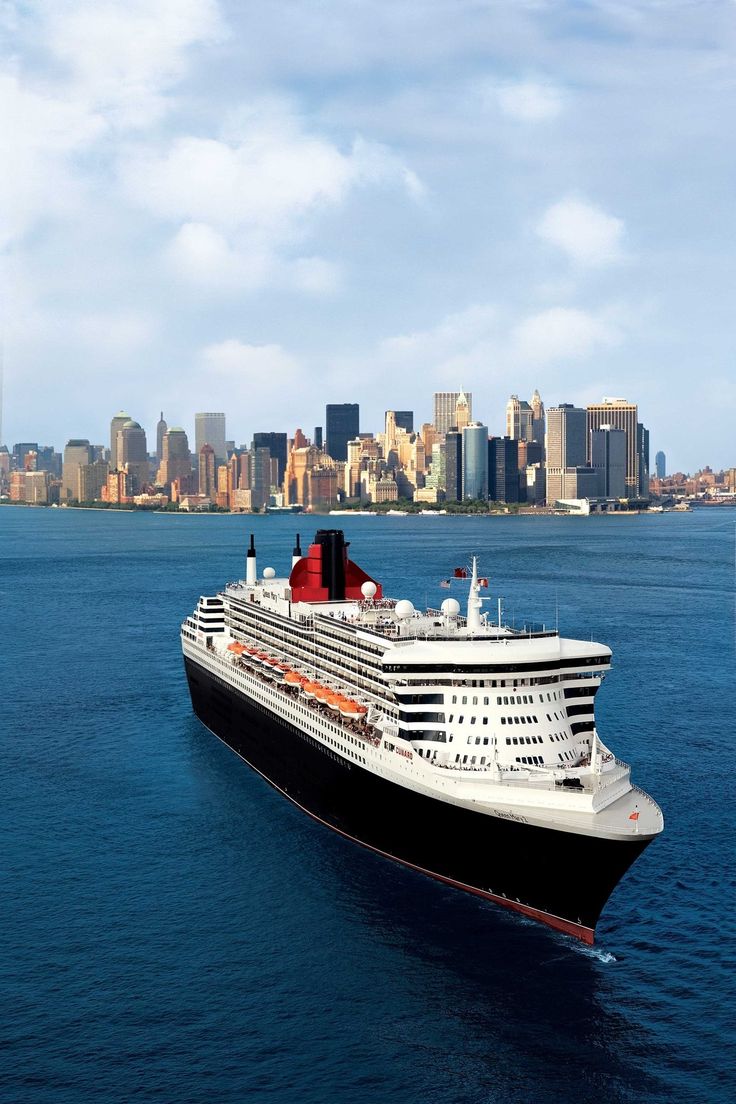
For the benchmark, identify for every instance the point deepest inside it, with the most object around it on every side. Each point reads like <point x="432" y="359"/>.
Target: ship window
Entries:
<point x="475" y="699"/>
<point x="515" y="739"/>
<point x="473" y="720"/>
<point x="460" y="719"/>
<point x="498" y="701"/>
<point x="450" y="717"/>
<point x="503" y="720"/>
<point x="465" y="758"/>
<point x="517" y="720"/>
<point x="505" y="701"/>
<point x="486" y="701"/>
<point x="485" y="720"/>
<point x="454" y="699"/>
<point x="472" y="758"/>
<point x="508" y="739"/>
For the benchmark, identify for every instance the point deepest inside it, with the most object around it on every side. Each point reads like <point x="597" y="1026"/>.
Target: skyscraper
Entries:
<point x="642" y="459"/>
<point x="462" y="412"/>
<point x="76" y="452"/>
<point x="503" y="469"/>
<point x="620" y="414"/>
<point x="342" y="424"/>
<point x="538" y="425"/>
<point x="608" y="457"/>
<point x="660" y="461"/>
<point x="207" y="471"/>
<point x="566" y="448"/>
<point x="475" y="461"/>
<point x="209" y="429"/>
<point x="116" y="424"/>
<point x="276" y="443"/>
<point x="519" y="420"/>
<point x="132" y="453"/>
<point x="453" y="446"/>
<point x="445" y="409"/>
<point x="176" y="461"/>
<point x="161" y="429"/>
<point x="405" y="420"/>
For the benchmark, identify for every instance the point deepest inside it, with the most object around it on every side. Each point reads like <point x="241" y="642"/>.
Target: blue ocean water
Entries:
<point x="172" y="930"/>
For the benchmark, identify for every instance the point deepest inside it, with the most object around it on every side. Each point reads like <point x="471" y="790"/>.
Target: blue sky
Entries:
<point x="263" y="207"/>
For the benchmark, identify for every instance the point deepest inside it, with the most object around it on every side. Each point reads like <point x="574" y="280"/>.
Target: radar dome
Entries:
<point x="450" y="607"/>
<point x="404" y="609"/>
<point x="269" y="573"/>
<point x="368" y="589"/>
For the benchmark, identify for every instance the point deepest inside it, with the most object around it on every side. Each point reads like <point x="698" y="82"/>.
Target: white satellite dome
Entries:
<point x="269" y="573"/>
<point x="404" y="609"/>
<point x="450" y="607"/>
<point x="368" y="589"/>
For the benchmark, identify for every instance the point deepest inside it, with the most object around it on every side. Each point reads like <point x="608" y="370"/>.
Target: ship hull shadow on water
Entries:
<point x="559" y="878"/>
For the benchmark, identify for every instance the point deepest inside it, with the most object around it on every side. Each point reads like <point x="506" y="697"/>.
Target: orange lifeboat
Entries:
<point x="352" y="709"/>
<point x="309" y="688"/>
<point x="293" y="678"/>
<point x="322" y="693"/>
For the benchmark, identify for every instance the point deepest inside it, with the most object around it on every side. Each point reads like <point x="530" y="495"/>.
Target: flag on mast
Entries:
<point x="460" y="573"/>
<point x="445" y="583"/>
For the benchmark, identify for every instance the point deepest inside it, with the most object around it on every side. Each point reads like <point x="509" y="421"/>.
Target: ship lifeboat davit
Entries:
<point x="352" y="710"/>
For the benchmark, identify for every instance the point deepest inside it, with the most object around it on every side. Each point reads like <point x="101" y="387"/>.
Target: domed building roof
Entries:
<point x="130" y="424"/>
<point x="176" y="429"/>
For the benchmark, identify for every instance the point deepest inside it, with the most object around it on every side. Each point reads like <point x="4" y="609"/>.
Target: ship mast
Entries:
<point x="474" y="601"/>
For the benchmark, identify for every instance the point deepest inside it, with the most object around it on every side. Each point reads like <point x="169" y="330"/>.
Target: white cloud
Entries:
<point x="529" y="102"/>
<point x="587" y="234"/>
<point x="274" y="173"/>
<point x="561" y="334"/>
<point x="123" y="57"/>
<point x="265" y="379"/>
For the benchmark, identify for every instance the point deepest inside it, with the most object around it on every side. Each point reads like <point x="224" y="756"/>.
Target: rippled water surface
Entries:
<point x="172" y="930"/>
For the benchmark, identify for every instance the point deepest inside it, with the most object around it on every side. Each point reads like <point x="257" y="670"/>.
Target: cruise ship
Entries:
<point x="454" y="744"/>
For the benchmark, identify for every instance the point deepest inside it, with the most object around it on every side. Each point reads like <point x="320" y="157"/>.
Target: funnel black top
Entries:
<point x="334" y="555"/>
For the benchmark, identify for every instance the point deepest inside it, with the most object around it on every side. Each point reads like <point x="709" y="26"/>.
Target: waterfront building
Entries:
<point x="116" y="425"/>
<point x="209" y="429"/>
<point x="119" y="489"/>
<point x="76" y="453"/>
<point x="445" y="409"/>
<point x="430" y="436"/>
<point x="620" y="414"/>
<point x="475" y="461"/>
<point x="317" y="437"/>
<point x="322" y="483"/>
<point x="660" y="463"/>
<point x="566" y="449"/>
<point x="92" y="478"/>
<point x="132" y="454"/>
<point x="535" y="477"/>
<point x="608" y="457"/>
<point x="342" y="424"/>
<point x="18" y="486"/>
<point x="642" y="459"/>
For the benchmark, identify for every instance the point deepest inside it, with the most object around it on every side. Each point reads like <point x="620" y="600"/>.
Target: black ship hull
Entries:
<point x="560" y="878"/>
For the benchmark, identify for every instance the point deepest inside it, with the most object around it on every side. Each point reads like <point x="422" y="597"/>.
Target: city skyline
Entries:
<point x="338" y="202"/>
